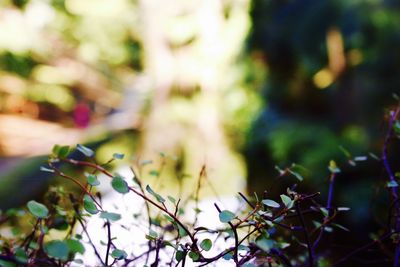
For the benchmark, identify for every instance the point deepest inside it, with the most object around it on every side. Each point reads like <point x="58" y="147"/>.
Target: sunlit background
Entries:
<point x="239" y="86"/>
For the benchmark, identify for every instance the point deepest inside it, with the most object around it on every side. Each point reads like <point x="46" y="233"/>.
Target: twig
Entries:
<point x="306" y="235"/>
<point x="108" y="241"/>
<point x="394" y="193"/>
<point x="327" y="218"/>
<point x="351" y="254"/>
<point x="234" y="230"/>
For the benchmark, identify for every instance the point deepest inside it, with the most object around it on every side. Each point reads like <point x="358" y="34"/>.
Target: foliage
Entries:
<point x="287" y="231"/>
<point x="329" y="69"/>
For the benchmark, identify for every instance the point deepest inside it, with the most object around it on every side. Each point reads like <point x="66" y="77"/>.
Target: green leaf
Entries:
<point x="33" y="245"/>
<point x="270" y="203"/>
<point x="169" y="218"/>
<point x="279" y="219"/>
<point x="243" y="247"/>
<point x="228" y="256"/>
<point x="20" y="255"/>
<point x="264" y="243"/>
<point x="169" y="244"/>
<point x="283" y="245"/>
<point x="297" y="175"/>
<point x="197" y="210"/>
<point x="61" y="151"/>
<point x="396" y="127"/>
<point x="324" y="211"/>
<point x="85" y="150"/>
<point x="119" y="184"/>
<point x="110" y="216"/>
<point x="345" y="151"/>
<point x="119" y="254"/>
<point x="182" y="232"/>
<point x="341" y="227"/>
<point x="287" y="201"/>
<point x="281" y="172"/>
<point x="392" y="184"/>
<point x="317" y="224"/>
<point x="226" y="216"/>
<point x="154" y="173"/>
<point x="57" y="249"/>
<point x="206" y="244"/>
<point x="154" y="194"/>
<point x="173" y="200"/>
<point x="37" y="209"/>
<point x="374" y="156"/>
<point x="59" y="223"/>
<point x="7" y="264"/>
<point x="89" y="205"/>
<point x="148" y="237"/>
<point x="180" y="255"/>
<point x="153" y="233"/>
<point x="92" y="179"/>
<point x="75" y="246"/>
<point x="118" y="156"/>
<point x="194" y="255"/>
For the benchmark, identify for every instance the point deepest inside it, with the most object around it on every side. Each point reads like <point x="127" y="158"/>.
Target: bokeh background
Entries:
<point x="237" y="85"/>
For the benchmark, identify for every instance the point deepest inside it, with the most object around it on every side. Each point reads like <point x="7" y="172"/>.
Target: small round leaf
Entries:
<point x="119" y="184"/>
<point x="206" y="244"/>
<point x="119" y="254"/>
<point x="110" y="216"/>
<point x="75" y="246"/>
<point x="154" y="194"/>
<point x="89" y="205"/>
<point x="270" y="203"/>
<point x="194" y="255"/>
<point x="118" y="156"/>
<point x="37" y="209"/>
<point x="92" y="180"/>
<point x="180" y="255"/>
<point x="57" y="249"/>
<point x="20" y="255"/>
<point x="226" y="216"/>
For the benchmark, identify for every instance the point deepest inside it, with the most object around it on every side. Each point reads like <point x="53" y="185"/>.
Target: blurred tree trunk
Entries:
<point x="189" y="47"/>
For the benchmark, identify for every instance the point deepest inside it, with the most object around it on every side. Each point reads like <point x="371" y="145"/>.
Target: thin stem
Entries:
<point x="366" y="246"/>
<point x="327" y="218"/>
<point x="166" y="211"/>
<point x="306" y="236"/>
<point x="146" y="204"/>
<point x="108" y="241"/>
<point x="90" y="240"/>
<point x="202" y="174"/>
<point x="394" y="193"/>
<point x="233" y="227"/>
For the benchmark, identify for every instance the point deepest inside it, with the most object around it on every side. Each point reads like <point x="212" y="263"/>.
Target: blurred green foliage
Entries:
<point x="332" y="68"/>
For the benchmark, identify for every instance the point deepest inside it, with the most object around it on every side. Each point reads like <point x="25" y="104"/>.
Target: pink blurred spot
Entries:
<point x="82" y="115"/>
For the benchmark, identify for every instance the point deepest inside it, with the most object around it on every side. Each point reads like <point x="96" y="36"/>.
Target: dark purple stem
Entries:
<point x="328" y="207"/>
<point x="306" y="236"/>
<point x="392" y="119"/>
<point x="330" y="193"/>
